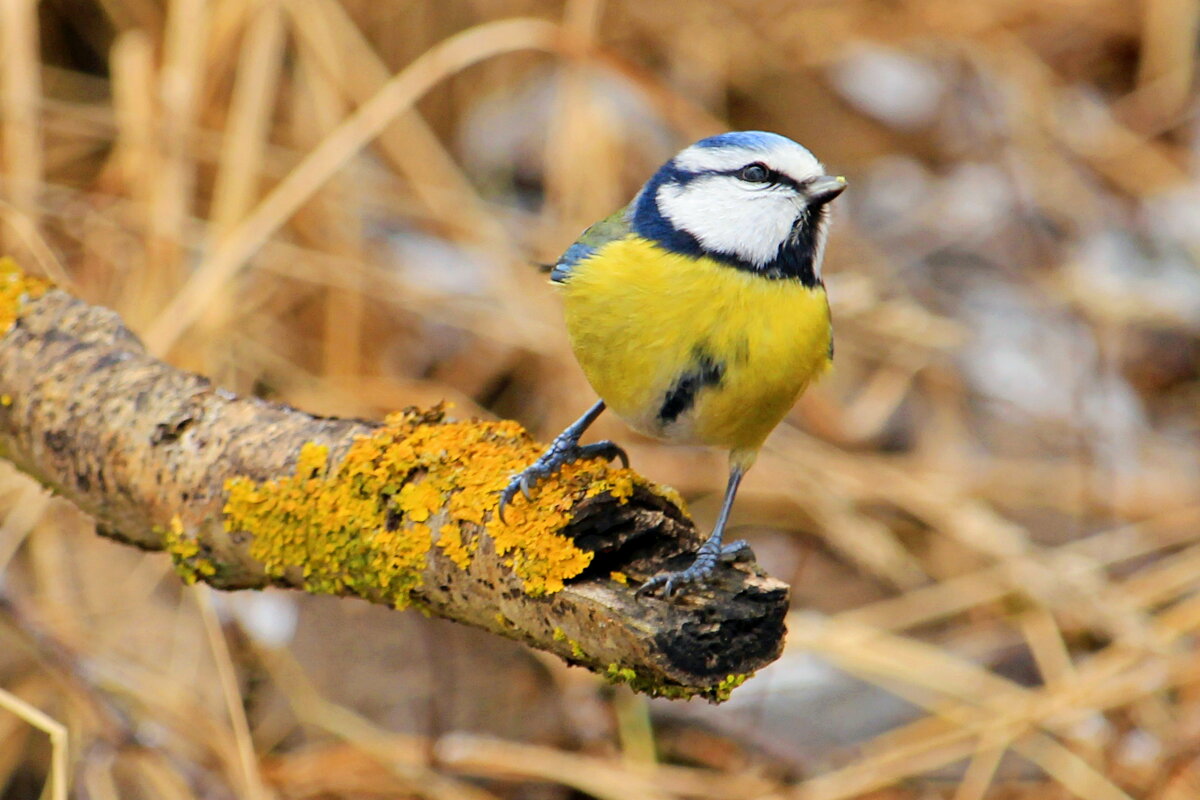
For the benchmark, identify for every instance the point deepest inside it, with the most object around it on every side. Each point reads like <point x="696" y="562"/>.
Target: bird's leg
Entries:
<point x="563" y="450"/>
<point x="710" y="552"/>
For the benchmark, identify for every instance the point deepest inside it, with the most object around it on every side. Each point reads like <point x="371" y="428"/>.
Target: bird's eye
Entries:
<point x="755" y="173"/>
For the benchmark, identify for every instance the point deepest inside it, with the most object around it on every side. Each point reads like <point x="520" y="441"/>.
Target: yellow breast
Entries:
<point x="690" y="349"/>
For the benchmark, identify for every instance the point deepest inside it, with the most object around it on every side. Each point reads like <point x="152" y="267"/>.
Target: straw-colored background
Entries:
<point x="990" y="513"/>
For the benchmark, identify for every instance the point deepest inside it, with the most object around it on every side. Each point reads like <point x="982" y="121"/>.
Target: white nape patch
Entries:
<point x="728" y="215"/>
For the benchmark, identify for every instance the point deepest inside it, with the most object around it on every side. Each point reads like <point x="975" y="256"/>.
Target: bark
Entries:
<point x="246" y="493"/>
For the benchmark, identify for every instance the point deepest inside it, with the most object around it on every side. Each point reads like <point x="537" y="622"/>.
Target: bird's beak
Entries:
<point x="820" y="191"/>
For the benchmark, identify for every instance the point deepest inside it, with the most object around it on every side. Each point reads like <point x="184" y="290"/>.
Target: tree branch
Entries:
<point x="245" y="493"/>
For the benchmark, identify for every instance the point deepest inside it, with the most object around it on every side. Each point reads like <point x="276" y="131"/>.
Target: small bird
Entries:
<point x="698" y="312"/>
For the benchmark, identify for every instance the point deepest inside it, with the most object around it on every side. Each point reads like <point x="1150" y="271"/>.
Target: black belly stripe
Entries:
<point x="682" y="394"/>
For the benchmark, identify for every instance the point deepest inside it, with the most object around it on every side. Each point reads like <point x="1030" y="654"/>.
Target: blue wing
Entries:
<point x="591" y="240"/>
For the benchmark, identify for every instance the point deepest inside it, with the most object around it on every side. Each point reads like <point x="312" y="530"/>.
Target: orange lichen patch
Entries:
<point x="368" y="525"/>
<point x="17" y="288"/>
<point x="620" y="483"/>
<point x="538" y="554"/>
<point x="451" y="541"/>
<point x="419" y="501"/>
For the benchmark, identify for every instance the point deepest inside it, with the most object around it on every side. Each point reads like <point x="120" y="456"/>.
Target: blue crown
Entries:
<point x="748" y="140"/>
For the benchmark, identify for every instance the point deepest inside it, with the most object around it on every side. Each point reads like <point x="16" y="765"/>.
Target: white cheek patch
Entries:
<point x="726" y="215"/>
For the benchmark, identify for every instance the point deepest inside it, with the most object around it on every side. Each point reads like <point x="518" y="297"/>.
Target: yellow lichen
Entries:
<point x="670" y="495"/>
<point x="16" y="288"/>
<point x="185" y="553"/>
<point x="638" y="682"/>
<point x="367" y="525"/>
<point x="619" y="577"/>
<point x="576" y="649"/>
<point x="726" y="686"/>
<point x="313" y="460"/>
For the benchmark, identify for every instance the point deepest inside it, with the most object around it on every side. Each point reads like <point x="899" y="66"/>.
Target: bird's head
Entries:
<point x="752" y="199"/>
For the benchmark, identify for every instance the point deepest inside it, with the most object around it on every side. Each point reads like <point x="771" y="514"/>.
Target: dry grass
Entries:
<point x="990" y="513"/>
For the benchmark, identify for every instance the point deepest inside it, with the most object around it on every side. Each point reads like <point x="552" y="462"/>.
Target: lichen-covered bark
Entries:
<point x="244" y="493"/>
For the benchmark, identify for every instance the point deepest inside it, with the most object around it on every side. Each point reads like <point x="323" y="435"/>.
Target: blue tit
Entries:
<point x="698" y="312"/>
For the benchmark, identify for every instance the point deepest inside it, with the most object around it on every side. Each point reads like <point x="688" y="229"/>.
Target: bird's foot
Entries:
<point x="706" y="561"/>
<point x="565" y="449"/>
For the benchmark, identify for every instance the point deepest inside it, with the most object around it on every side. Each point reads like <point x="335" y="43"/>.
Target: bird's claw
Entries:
<point x="608" y="450"/>
<point x="702" y="567"/>
<point x="562" y="451"/>
<point x="520" y="482"/>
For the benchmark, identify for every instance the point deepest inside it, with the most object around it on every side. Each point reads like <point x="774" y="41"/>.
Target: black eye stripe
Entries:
<point x="772" y="176"/>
